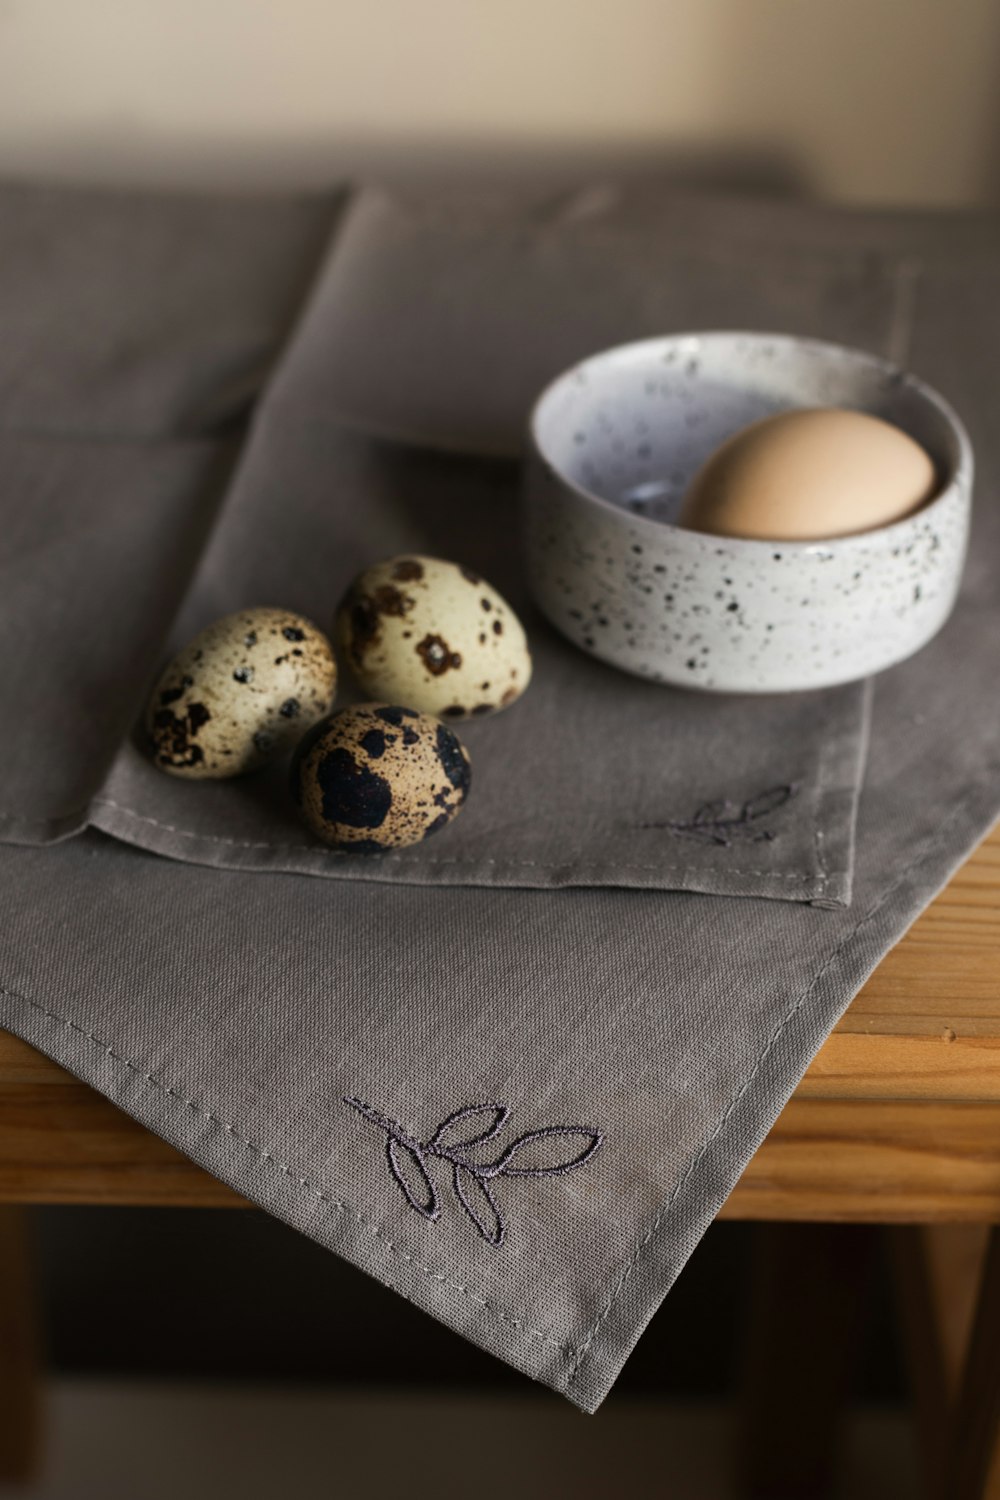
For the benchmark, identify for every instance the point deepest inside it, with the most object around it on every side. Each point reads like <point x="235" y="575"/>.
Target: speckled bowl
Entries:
<point x="615" y="442"/>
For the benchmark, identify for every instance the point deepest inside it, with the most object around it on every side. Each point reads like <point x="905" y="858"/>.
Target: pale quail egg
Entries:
<point x="376" y="777"/>
<point x="434" y="635"/>
<point x="244" y="689"/>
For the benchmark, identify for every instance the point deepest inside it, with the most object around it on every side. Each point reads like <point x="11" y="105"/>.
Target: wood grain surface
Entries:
<point x="896" y="1120"/>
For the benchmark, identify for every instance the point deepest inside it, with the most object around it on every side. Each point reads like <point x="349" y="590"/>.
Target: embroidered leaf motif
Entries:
<point x="493" y="1118"/>
<point x="707" y="829"/>
<point x="378" y="1118"/>
<point x="713" y="812"/>
<point x="406" y="1163"/>
<point x="542" y="1152"/>
<point x="473" y="1192"/>
<point x="767" y="802"/>
<point x="538" y="1153"/>
<point x="724" y="823"/>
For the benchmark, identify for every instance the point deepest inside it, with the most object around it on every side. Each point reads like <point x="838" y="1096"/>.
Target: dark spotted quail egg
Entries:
<point x="376" y="777"/>
<point x="433" y="634"/>
<point x="240" y="692"/>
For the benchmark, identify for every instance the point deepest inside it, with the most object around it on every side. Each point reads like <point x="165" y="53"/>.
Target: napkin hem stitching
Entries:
<point x="935" y="834"/>
<point x="285" y="1170"/>
<point x="806" y="877"/>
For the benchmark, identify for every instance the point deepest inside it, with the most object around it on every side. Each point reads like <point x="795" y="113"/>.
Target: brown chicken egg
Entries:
<point x="809" y="474"/>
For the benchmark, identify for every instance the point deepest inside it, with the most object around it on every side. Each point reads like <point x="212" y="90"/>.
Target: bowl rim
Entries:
<point x="960" y="473"/>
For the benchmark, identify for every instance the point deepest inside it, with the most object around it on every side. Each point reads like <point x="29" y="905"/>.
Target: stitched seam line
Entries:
<point x="289" y="1172"/>
<point x="934" y="835"/>
<point x="859" y="747"/>
<point x="527" y="864"/>
<point x="819" y="804"/>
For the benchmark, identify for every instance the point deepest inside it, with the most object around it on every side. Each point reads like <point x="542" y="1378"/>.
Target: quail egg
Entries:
<point x="244" y="689"/>
<point x="376" y="777"/>
<point x="434" y="635"/>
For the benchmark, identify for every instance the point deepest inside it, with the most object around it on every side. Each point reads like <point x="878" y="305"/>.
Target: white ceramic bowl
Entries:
<point x="615" y="442"/>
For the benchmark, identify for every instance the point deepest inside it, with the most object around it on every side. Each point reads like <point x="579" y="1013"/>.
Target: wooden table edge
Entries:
<point x="896" y="1119"/>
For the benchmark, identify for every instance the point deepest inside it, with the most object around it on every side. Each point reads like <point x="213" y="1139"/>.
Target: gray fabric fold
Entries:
<point x="246" y="1016"/>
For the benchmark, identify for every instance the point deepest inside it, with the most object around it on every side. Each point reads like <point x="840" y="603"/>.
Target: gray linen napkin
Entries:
<point x="443" y="315"/>
<point x="135" y="335"/>
<point x="126" y="319"/>
<point x="313" y="501"/>
<point x="318" y="1047"/>
<point x="594" y="778"/>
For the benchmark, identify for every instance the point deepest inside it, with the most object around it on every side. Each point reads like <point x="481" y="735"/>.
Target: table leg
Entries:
<point x="807" y="1301"/>
<point x="973" y="1468"/>
<point x="19" y="1361"/>
<point x="937" y="1269"/>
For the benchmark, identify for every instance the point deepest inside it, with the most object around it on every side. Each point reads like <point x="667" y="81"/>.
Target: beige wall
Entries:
<point x="868" y="100"/>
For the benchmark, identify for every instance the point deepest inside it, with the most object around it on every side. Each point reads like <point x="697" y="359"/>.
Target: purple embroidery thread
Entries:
<point x="724" y="823"/>
<point x="471" y="1179"/>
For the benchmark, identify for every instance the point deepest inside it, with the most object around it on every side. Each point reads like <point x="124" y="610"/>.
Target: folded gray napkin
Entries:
<point x="595" y="778"/>
<point x="520" y="1108"/>
<point x="443" y="315"/>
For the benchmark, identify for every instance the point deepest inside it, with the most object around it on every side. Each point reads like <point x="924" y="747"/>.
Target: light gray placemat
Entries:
<point x="284" y="1031"/>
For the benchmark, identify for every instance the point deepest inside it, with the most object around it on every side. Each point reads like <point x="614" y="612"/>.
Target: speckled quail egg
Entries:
<point x="376" y="777"/>
<point x="434" y="635"/>
<point x="244" y="689"/>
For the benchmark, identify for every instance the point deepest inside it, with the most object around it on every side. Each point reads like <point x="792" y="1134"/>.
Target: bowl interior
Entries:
<point x="632" y="426"/>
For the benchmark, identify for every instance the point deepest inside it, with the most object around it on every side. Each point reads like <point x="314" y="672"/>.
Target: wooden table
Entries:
<point x="897" y="1121"/>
